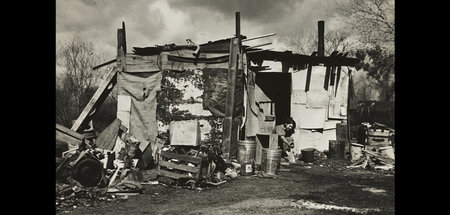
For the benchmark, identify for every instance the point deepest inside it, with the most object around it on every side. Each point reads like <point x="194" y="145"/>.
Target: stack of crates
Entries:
<point x="377" y="138"/>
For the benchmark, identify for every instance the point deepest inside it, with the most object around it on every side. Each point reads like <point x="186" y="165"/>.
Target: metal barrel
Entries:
<point x="270" y="161"/>
<point x="246" y="156"/>
<point x="308" y="155"/>
<point x="246" y="151"/>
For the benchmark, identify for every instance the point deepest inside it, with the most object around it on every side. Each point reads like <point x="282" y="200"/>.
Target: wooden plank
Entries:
<point x="338" y="77"/>
<point x="308" y="74"/>
<point x="187" y="158"/>
<point x="179" y="166"/>
<point x="273" y="143"/>
<point x="333" y="75"/>
<point x="172" y="174"/>
<point x="65" y="138"/>
<point x="69" y="132"/>
<point x="121" y="52"/>
<point x="181" y="59"/>
<point x="327" y="78"/>
<point x="263" y="44"/>
<point x="231" y="82"/>
<point x="258" y="37"/>
<point x="137" y="63"/>
<point x="107" y="139"/>
<point x="104" y="64"/>
<point x="97" y="99"/>
<point x="262" y="141"/>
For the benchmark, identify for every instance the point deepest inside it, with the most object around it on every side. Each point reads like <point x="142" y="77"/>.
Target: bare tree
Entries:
<point x="301" y="41"/>
<point x="305" y="42"/>
<point x="372" y="20"/>
<point x="76" y="58"/>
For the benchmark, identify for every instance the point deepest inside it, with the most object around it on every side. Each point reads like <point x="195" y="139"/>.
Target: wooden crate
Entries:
<point x="379" y="132"/>
<point x="378" y="140"/>
<point x="181" y="170"/>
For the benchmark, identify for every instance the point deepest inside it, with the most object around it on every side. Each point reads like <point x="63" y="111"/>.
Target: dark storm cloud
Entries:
<point x="151" y="22"/>
<point x="260" y="10"/>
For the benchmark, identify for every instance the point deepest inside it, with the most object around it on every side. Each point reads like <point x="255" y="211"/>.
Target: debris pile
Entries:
<point x="99" y="171"/>
<point x="374" y="161"/>
<point x="69" y="197"/>
<point x="320" y="157"/>
<point x="377" y="153"/>
<point x="194" y="167"/>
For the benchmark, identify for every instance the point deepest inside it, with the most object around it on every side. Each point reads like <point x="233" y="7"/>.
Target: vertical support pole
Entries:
<point x="121" y="48"/>
<point x="124" y="39"/>
<point x="321" y="43"/>
<point x="349" y="127"/>
<point x="231" y="84"/>
<point x="238" y="29"/>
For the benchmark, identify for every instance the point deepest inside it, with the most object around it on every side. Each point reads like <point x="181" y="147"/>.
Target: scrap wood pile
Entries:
<point x="194" y="167"/>
<point x="377" y="153"/>
<point x="90" y="175"/>
<point x="374" y="161"/>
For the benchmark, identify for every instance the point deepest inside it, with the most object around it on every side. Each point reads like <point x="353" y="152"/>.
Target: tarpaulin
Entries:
<point x="142" y="88"/>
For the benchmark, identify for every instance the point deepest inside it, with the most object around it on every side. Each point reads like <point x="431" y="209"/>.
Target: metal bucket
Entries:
<point x="270" y="161"/>
<point x="246" y="151"/>
<point x="336" y="149"/>
<point x="308" y="155"/>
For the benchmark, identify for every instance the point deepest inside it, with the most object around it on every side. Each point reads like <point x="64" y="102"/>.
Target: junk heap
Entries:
<point x="90" y="175"/>
<point x="375" y="148"/>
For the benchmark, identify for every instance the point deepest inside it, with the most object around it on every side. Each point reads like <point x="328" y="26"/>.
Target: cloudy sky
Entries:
<point x="158" y="22"/>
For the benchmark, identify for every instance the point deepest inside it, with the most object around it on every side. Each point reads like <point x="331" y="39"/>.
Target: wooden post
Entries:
<point x="121" y="49"/>
<point x="321" y="43"/>
<point x="238" y="29"/>
<point x="231" y="82"/>
<point x="124" y="43"/>
<point x="349" y="127"/>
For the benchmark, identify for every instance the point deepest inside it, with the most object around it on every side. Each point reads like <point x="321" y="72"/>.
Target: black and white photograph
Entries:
<point x="225" y="107"/>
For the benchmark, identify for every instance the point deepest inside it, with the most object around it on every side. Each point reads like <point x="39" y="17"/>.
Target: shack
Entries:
<point x="225" y="87"/>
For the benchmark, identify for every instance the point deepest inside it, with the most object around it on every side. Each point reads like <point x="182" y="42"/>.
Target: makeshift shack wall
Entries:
<point x="185" y="91"/>
<point x="317" y="111"/>
<point x="188" y="95"/>
<point x="181" y="98"/>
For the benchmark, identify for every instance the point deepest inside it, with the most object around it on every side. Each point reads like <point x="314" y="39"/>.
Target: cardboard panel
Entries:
<point x="123" y="103"/>
<point x="184" y="133"/>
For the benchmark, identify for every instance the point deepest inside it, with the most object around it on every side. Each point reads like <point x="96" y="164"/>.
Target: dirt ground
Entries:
<point x="298" y="189"/>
